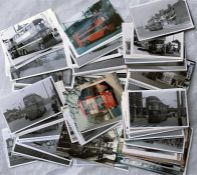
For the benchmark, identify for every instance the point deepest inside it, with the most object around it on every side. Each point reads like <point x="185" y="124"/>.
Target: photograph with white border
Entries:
<point x="161" y="17"/>
<point x="158" y="108"/>
<point x="31" y="37"/>
<point x="95" y="25"/>
<point x="31" y="105"/>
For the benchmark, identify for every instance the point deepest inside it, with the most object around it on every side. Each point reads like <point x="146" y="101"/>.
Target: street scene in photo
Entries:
<point x="161" y="18"/>
<point x="158" y="108"/>
<point x="31" y="105"/>
<point x="95" y="25"/>
<point x="31" y="37"/>
<point x="47" y="62"/>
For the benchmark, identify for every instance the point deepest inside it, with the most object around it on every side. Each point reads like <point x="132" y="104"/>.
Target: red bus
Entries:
<point x="93" y="29"/>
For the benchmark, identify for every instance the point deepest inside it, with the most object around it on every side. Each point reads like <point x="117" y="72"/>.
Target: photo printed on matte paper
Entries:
<point x="161" y="17"/>
<point x="158" y="108"/>
<point x="49" y="61"/>
<point x="31" y="105"/>
<point x="93" y="26"/>
<point x="12" y="159"/>
<point x="31" y="37"/>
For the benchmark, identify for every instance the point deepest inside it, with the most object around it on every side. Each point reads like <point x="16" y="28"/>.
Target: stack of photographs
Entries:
<point x="95" y="88"/>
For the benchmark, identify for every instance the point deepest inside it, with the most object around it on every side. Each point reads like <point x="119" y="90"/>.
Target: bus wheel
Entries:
<point x="25" y="52"/>
<point x="41" y="46"/>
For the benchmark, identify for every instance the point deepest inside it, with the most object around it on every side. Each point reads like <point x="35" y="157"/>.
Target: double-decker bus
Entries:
<point x="34" y="36"/>
<point x="34" y="106"/>
<point x="91" y="29"/>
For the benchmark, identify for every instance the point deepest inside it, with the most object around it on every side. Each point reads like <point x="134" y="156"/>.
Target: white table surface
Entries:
<point x="13" y="11"/>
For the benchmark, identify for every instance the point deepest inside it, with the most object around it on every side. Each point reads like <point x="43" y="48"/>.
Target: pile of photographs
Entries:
<point x="98" y="89"/>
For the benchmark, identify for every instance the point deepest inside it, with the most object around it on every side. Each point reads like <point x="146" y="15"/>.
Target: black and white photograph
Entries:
<point x="31" y="105"/>
<point x="31" y="37"/>
<point x="101" y="150"/>
<point x="49" y="61"/>
<point x="161" y="17"/>
<point x="165" y="80"/>
<point x="158" y="108"/>
<point x="37" y="153"/>
<point x="93" y="26"/>
<point x="13" y="160"/>
<point x="171" y="145"/>
<point x="166" y="48"/>
<point x="64" y="75"/>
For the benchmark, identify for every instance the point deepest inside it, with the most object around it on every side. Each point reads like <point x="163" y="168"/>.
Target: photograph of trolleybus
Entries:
<point x="158" y="108"/>
<point x="97" y="24"/>
<point x="31" y="105"/>
<point x="31" y="37"/>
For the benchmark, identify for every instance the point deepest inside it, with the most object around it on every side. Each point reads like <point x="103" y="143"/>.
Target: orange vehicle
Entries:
<point x="93" y="29"/>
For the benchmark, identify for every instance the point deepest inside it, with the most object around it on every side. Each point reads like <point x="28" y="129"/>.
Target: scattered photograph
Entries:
<point x="12" y="159"/>
<point x="160" y="49"/>
<point x="171" y="145"/>
<point x="31" y="105"/>
<point x="31" y="37"/>
<point x="102" y="149"/>
<point x="50" y="61"/>
<point x="165" y="80"/>
<point x="95" y="105"/>
<point x="158" y="108"/>
<point x="29" y="151"/>
<point x="92" y="27"/>
<point x="64" y="75"/>
<point x="160" y="18"/>
<point x="171" y="46"/>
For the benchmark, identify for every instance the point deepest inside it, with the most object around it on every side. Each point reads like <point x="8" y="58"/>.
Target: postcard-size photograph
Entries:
<point x="12" y="159"/>
<point x="158" y="108"/>
<point x="159" y="18"/>
<point x="41" y="150"/>
<point x="96" y="104"/>
<point x="164" y="48"/>
<point x="31" y="37"/>
<point x="101" y="150"/>
<point x="65" y="75"/>
<point x="94" y="26"/>
<point x="49" y="61"/>
<point x="31" y="105"/>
